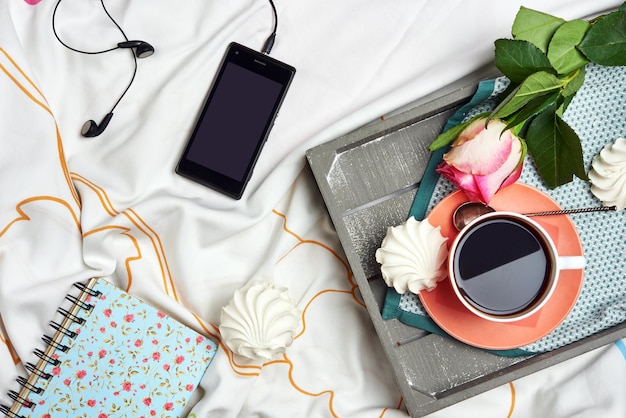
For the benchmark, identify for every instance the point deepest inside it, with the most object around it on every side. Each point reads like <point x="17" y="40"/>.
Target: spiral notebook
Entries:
<point x="112" y="355"/>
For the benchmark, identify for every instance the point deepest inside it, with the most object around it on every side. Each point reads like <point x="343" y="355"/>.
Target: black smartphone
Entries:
<point x="235" y="120"/>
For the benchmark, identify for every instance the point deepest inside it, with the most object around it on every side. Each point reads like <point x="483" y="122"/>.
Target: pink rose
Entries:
<point x="156" y="356"/>
<point x="107" y="312"/>
<point x="91" y="402"/>
<point x="168" y="406"/>
<point x="129" y="318"/>
<point x="147" y="401"/>
<point x="483" y="160"/>
<point x="179" y="359"/>
<point x="81" y="373"/>
<point x="126" y="386"/>
<point x="189" y="387"/>
<point x="102" y="353"/>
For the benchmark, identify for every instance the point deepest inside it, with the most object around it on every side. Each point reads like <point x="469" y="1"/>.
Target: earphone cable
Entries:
<point x="56" y="35"/>
<point x="133" y="55"/>
<point x="99" y="52"/>
<point x="269" y="43"/>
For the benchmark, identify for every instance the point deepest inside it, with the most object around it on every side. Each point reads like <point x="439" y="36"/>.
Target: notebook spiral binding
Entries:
<point x="46" y="357"/>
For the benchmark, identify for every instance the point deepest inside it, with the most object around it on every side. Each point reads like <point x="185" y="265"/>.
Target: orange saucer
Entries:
<point x="448" y="312"/>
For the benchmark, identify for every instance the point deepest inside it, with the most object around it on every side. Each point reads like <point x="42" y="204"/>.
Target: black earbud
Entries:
<point x="91" y="128"/>
<point x="140" y="49"/>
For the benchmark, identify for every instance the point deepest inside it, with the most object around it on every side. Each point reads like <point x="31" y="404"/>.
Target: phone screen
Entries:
<point x="228" y="135"/>
<point x="235" y="120"/>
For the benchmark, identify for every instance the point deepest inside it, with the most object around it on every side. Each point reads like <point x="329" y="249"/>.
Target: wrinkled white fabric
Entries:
<point x="72" y="208"/>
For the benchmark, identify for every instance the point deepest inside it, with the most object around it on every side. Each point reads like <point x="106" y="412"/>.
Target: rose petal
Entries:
<point x="508" y="174"/>
<point x="462" y="181"/>
<point x="486" y="152"/>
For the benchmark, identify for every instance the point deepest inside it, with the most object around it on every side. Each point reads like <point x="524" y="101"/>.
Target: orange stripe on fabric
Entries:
<point x="5" y="341"/>
<point x="396" y="408"/>
<point x="66" y="171"/>
<point x="512" y="408"/>
<point x="143" y="227"/>
<point x="44" y="106"/>
<point x="24" y="217"/>
<point x="102" y="195"/>
<point x="126" y="232"/>
<point x="24" y="90"/>
<point x="157" y="244"/>
<point x="306" y="308"/>
<point x="302" y="241"/>
<point x="6" y="54"/>
<point x="330" y="393"/>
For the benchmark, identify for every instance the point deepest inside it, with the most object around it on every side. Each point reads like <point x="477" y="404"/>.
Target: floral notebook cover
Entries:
<point x="124" y="358"/>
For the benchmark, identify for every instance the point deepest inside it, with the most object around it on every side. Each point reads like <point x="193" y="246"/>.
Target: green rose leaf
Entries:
<point x="535" y="27"/>
<point x="555" y="148"/>
<point x="562" y="52"/>
<point x="450" y="135"/>
<point x="575" y="83"/>
<point x="532" y="108"/>
<point x="605" y="42"/>
<point x="538" y="84"/>
<point x="569" y="91"/>
<point x="519" y="59"/>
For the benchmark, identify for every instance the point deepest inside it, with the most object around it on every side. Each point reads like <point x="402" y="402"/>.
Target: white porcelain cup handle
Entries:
<point x="575" y="262"/>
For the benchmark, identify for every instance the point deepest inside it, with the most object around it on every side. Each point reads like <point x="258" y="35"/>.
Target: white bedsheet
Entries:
<point x="72" y="208"/>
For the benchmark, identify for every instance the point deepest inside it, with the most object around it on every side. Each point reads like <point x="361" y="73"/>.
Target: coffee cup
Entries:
<point x="504" y="266"/>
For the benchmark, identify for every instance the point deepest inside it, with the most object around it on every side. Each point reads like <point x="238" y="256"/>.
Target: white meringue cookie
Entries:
<point x="412" y="256"/>
<point x="608" y="174"/>
<point x="260" y="321"/>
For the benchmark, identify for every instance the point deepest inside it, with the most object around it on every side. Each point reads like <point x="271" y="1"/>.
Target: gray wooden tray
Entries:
<point x="368" y="180"/>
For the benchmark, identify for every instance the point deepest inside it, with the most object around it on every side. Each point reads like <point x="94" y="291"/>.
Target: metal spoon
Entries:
<point x="469" y="211"/>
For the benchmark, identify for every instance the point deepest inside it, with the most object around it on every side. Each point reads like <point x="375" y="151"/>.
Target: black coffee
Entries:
<point x="502" y="266"/>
